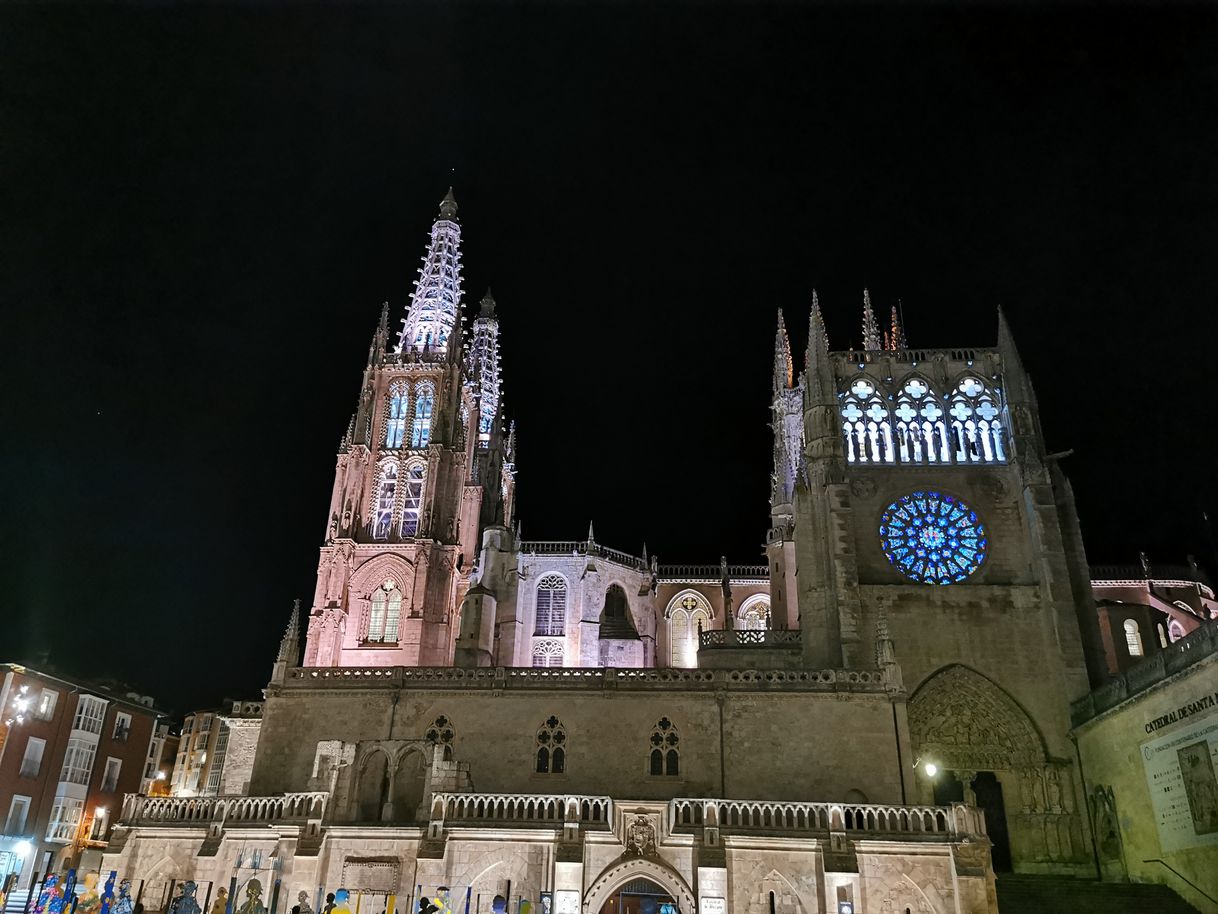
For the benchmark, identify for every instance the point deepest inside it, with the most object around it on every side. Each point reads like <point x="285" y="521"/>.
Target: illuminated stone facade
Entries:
<point x="557" y="721"/>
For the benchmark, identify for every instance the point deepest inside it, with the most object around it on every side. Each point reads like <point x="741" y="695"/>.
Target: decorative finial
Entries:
<point x="289" y="647"/>
<point x="448" y="206"/>
<point x="871" y="329"/>
<point x="591" y="538"/>
<point x="488" y="304"/>
<point x="896" y="336"/>
<point x="783" y="370"/>
<point x="818" y="338"/>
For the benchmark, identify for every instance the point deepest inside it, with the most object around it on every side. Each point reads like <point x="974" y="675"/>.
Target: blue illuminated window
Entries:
<point x="933" y="538"/>
<point x="425" y="396"/>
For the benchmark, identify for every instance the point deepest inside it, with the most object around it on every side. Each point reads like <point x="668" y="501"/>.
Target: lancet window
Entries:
<point x="551" y="747"/>
<point x="547" y="652"/>
<point x="395" y="423"/>
<point x="384" y="613"/>
<point x="424" y="402"/>
<point x="386" y="492"/>
<point x="686" y="619"/>
<point x="1133" y="638"/>
<point x="665" y="749"/>
<point x="915" y="425"/>
<point x="412" y="498"/>
<point x="551" y="614"/>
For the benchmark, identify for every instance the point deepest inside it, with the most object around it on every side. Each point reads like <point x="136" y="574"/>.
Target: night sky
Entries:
<point x="202" y="211"/>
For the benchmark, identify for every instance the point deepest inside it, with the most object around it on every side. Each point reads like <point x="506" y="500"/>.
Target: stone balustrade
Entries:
<point x="857" y="357"/>
<point x="595" y="678"/>
<point x="519" y="809"/>
<point x="713" y="574"/>
<point x="773" y="817"/>
<point x="747" y="637"/>
<point x="209" y="811"/>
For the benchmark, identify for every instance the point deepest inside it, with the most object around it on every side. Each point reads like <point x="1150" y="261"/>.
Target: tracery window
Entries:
<point x="412" y="498"/>
<point x="384" y="613"/>
<point x="441" y="733"/>
<point x="915" y="425"/>
<point x="551" y="747"/>
<point x="665" y="749"/>
<point x="1133" y="638"/>
<point x="395" y="424"/>
<point x="551" y="612"/>
<point x="933" y="538"/>
<point x="424" y="401"/>
<point x="686" y="620"/>
<point x="547" y="652"/>
<point x="755" y="615"/>
<point x="386" y="492"/>
<point x="1175" y="631"/>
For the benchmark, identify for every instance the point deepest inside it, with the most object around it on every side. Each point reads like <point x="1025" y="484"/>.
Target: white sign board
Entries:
<point x="1180" y="772"/>
<point x="566" y="901"/>
<point x="712" y="905"/>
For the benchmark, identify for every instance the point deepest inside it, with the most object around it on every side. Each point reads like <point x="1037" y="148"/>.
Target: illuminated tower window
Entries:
<point x="395" y="424"/>
<point x="385" y="495"/>
<point x="412" y="499"/>
<point x="551" y="606"/>
<point x="424" y="400"/>
<point x="688" y="616"/>
<point x="384" y="613"/>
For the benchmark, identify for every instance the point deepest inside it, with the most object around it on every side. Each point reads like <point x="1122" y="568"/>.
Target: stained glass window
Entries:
<point x="395" y="425"/>
<point x="933" y="538"/>
<point x="424" y="399"/>
<point x="413" y="499"/>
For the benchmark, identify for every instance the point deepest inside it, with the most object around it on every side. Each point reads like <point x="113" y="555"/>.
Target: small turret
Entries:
<point x="783" y="376"/>
<point x="871" y="328"/>
<point x="289" y="647"/>
<point x="896" y="336"/>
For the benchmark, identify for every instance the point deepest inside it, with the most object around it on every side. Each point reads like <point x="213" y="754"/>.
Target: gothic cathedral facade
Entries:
<point x="873" y="720"/>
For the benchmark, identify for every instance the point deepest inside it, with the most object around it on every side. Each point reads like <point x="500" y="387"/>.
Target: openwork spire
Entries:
<point x="289" y="647"/>
<point x="783" y="372"/>
<point x="895" y="338"/>
<point x="482" y="369"/>
<point x="818" y="336"/>
<point x="435" y="302"/>
<point x="871" y="328"/>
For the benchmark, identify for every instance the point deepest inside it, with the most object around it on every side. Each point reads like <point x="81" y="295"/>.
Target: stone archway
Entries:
<point x="618" y="874"/>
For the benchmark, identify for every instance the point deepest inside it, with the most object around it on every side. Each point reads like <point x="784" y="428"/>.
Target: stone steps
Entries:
<point x="1020" y="894"/>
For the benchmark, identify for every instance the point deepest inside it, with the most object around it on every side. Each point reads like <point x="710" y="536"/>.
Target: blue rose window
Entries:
<point x="933" y="538"/>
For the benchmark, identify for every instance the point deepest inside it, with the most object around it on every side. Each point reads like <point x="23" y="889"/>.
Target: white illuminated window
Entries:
<point x="90" y="711"/>
<point x="547" y="652"/>
<point x="976" y="426"/>
<point x="688" y="617"/>
<point x="65" y="819"/>
<point x="413" y="498"/>
<point x="755" y="615"/>
<point x="78" y="762"/>
<point x="31" y="761"/>
<point x="122" y="727"/>
<point x="424" y="401"/>
<point x="386" y="492"/>
<point x="46" y="704"/>
<point x="551" y="615"/>
<point x="1175" y="630"/>
<point x="395" y="423"/>
<point x="1133" y="638"/>
<point x="384" y="613"/>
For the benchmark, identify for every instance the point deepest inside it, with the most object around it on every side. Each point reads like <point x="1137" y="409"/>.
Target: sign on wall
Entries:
<point x="1182" y="774"/>
<point x="712" y="905"/>
<point x="566" y="901"/>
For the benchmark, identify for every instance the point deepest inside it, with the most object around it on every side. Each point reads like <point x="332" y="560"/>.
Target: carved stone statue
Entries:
<point x="641" y="838"/>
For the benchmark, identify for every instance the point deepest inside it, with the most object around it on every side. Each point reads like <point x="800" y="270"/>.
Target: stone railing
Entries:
<point x="713" y="573"/>
<point x="868" y="356"/>
<point x="1183" y="576"/>
<point x="587" y="678"/>
<point x="1176" y="657"/>
<point x="766" y="637"/>
<point x="574" y="547"/>
<point x="519" y="810"/>
<point x="757" y="816"/>
<point x="208" y="811"/>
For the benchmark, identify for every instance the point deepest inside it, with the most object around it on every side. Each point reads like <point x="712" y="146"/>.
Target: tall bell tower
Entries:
<point x="420" y="470"/>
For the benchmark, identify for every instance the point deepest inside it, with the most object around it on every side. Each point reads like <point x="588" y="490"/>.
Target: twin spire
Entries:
<point x="435" y="304"/>
<point x="874" y="339"/>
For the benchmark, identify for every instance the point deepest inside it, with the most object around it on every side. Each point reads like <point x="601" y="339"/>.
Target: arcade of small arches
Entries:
<point x="400" y="425"/>
<point x="912" y="423"/>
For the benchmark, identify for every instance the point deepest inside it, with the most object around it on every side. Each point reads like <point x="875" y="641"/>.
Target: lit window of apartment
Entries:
<point x="65" y="819"/>
<point x="78" y="762"/>
<point x="46" y="704"/>
<point x="90" y="711"/>
<point x="122" y="727"/>
<point x="31" y="762"/>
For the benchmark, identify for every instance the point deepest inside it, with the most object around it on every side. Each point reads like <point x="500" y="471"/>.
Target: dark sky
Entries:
<point x="203" y="209"/>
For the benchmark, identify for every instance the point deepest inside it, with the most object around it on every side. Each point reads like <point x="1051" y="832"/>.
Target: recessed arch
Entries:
<point x="754" y="612"/>
<point x="616" y="875"/>
<point x="688" y="614"/>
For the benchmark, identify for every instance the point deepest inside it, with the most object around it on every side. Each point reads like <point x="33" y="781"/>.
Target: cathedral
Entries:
<point x="875" y="720"/>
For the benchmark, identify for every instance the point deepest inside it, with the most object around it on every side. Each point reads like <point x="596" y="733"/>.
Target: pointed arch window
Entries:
<point x="547" y="652"/>
<point x="395" y="424"/>
<point x="976" y="425"/>
<point x="384" y="614"/>
<point x="386" y="493"/>
<point x="412" y="498"/>
<point x="755" y="615"/>
<point x="1133" y="638"/>
<point x="687" y="618"/>
<point x="551" y="747"/>
<point x="551" y="613"/>
<point x="664" y="749"/>
<point x="1175" y="631"/>
<point x="424" y="402"/>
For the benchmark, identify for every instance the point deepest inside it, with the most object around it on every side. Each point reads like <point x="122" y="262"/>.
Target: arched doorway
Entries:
<point x="640" y="896"/>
